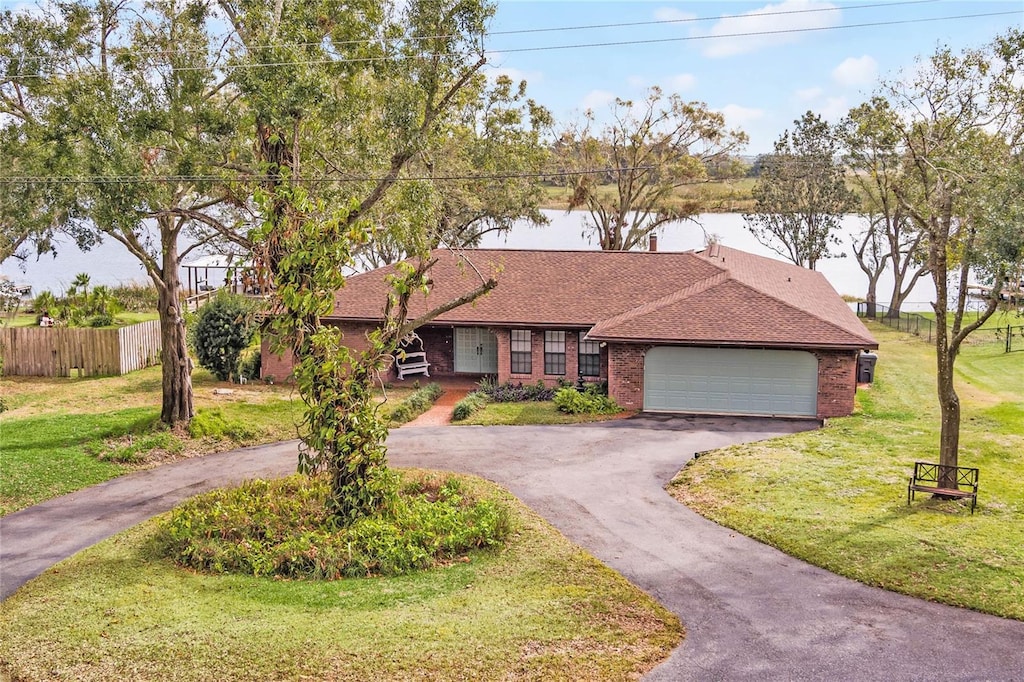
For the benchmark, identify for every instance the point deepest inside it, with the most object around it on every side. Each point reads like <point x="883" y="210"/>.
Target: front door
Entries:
<point x="476" y="351"/>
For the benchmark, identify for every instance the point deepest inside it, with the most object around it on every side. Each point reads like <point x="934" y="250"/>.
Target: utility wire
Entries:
<point x="624" y="43"/>
<point x="558" y="29"/>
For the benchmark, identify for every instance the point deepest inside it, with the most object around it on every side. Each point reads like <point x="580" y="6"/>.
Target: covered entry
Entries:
<point x="476" y="351"/>
<point x="731" y="381"/>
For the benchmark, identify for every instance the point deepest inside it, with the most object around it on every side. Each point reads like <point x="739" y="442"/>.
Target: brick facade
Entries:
<point x="537" y="358"/>
<point x="837" y="382"/>
<point x="622" y="365"/>
<point x="837" y="374"/>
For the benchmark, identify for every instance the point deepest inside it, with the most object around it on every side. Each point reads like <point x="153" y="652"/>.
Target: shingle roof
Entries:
<point x="721" y="296"/>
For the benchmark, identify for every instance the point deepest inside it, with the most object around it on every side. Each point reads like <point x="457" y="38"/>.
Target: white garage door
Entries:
<point x="731" y="381"/>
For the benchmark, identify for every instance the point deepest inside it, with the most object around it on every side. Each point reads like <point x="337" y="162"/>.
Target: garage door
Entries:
<point x="731" y="381"/>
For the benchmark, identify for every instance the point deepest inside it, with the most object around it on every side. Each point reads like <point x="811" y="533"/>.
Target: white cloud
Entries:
<point x="596" y="99"/>
<point x="681" y="82"/>
<point x="731" y="36"/>
<point x="638" y="82"/>
<point x="808" y="94"/>
<point x="673" y="14"/>
<point x="834" y="109"/>
<point x="738" y="116"/>
<point x="856" y="71"/>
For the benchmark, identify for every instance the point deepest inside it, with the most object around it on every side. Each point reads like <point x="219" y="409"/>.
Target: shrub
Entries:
<point x="588" y="401"/>
<point x="223" y="328"/>
<point x="282" y="528"/>
<point x="101" y="320"/>
<point x="416" y="404"/>
<point x="516" y="393"/>
<point x="468" y="405"/>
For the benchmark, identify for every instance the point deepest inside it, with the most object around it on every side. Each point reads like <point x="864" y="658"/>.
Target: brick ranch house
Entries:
<point x="718" y="331"/>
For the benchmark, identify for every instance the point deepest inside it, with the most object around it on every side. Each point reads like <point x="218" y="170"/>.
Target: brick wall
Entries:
<point x="837" y="382"/>
<point x="437" y="342"/>
<point x="837" y="373"/>
<point x="537" y="358"/>
<point x="626" y="374"/>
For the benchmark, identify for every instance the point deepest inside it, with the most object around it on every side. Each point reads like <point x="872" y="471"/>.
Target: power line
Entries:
<point x="624" y="43"/>
<point x="751" y="34"/>
<point x="559" y="29"/>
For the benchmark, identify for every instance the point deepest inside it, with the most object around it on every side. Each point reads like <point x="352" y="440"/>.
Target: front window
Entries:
<point x="522" y="355"/>
<point x="590" y="358"/>
<point x="554" y="352"/>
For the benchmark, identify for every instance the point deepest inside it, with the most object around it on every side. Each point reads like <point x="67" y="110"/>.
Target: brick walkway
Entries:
<point x="441" y="413"/>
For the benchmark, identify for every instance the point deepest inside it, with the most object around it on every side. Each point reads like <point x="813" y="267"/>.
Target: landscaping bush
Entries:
<point x="282" y="528"/>
<point x="416" y="404"/>
<point x="588" y="401"/>
<point x="468" y="405"/>
<point x="516" y="393"/>
<point x="223" y="329"/>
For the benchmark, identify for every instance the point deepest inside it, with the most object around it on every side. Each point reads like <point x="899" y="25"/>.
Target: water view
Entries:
<point x="111" y="264"/>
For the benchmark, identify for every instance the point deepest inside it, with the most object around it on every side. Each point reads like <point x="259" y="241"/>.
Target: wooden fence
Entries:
<point x="55" y="351"/>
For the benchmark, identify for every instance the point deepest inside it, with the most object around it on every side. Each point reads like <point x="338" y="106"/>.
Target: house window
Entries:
<point x="590" y="357"/>
<point x="554" y="352"/>
<point x="522" y="354"/>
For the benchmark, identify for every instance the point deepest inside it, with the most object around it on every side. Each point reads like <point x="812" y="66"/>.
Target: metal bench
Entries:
<point x="944" y="481"/>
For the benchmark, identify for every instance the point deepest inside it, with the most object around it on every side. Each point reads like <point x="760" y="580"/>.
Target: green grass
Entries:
<point x="837" y="497"/>
<point x="531" y="412"/>
<point x="120" y="320"/>
<point x="538" y="609"/>
<point x="714" y="196"/>
<point x="63" y="434"/>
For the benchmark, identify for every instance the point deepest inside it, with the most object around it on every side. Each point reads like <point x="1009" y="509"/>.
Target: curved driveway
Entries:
<point x="750" y="611"/>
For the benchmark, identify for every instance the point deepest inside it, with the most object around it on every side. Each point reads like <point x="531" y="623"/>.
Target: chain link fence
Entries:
<point x="1011" y="337"/>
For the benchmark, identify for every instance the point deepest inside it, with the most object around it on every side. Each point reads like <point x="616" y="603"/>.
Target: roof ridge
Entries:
<point x="784" y="302"/>
<point x="667" y="299"/>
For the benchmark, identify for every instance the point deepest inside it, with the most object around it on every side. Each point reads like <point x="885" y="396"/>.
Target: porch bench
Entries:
<point x="927" y="478"/>
<point x="412" y="363"/>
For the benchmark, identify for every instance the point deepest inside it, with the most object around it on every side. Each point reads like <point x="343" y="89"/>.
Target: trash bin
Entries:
<point x="866" y="367"/>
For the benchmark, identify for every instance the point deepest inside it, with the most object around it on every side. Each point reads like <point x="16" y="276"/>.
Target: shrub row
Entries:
<point x="517" y="393"/>
<point x="416" y="404"/>
<point x="467" y="406"/>
<point x="282" y="528"/>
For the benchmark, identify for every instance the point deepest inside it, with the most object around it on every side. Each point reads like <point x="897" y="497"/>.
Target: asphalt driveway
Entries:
<point x="750" y="611"/>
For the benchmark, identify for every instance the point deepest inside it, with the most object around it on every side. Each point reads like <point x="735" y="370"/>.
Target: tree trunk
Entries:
<point x="177" y="366"/>
<point x="871" y="299"/>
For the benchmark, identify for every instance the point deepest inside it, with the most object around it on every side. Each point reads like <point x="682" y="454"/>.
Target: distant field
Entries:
<point x="719" y="196"/>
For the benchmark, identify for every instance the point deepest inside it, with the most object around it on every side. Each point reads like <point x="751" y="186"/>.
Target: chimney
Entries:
<point x="653" y="243"/>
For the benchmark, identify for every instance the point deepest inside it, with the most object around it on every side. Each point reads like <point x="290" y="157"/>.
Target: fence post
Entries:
<point x="1008" y="344"/>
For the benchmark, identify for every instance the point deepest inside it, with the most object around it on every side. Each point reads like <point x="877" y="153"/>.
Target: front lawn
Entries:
<point x="63" y="434"/>
<point x="837" y="497"/>
<point x="538" y="609"/>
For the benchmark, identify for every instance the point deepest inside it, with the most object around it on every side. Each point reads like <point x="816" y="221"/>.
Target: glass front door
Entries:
<point x="476" y="351"/>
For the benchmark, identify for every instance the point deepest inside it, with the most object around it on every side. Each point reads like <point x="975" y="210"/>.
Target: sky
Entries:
<point x="832" y="60"/>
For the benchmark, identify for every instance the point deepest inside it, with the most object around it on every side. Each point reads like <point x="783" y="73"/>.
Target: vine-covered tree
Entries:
<point x="889" y="240"/>
<point x="384" y="79"/>
<point x="959" y="120"/>
<point x="648" y="151"/>
<point x="801" y="194"/>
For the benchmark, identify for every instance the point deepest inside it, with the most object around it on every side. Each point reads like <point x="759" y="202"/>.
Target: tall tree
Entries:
<point x="801" y="194"/>
<point x="871" y="144"/>
<point x="960" y="127"/>
<point x="484" y="165"/>
<point x="384" y="80"/>
<point x="135" y="101"/>
<point x="648" y="151"/>
<point x="32" y="213"/>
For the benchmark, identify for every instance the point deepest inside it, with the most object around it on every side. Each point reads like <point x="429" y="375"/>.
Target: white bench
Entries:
<point x="412" y="363"/>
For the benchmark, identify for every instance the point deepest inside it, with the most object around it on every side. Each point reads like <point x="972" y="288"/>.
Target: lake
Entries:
<point x="111" y="264"/>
